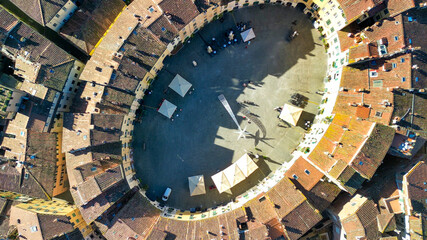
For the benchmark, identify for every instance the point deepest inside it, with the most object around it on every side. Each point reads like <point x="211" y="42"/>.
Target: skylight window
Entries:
<point x="295" y="176"/>
<point x="307" y="172"/>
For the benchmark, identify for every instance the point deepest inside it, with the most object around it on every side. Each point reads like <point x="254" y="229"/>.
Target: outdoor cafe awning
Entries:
<point x="290" y="114"/>
<point x="167" y="108"/>
<point x="196" y="185"/>
<point x="248" y="35"/>
<point x="234" y="174"/>
<point x="180" y="85"/>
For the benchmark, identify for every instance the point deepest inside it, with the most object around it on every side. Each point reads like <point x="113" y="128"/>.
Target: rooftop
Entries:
<point x="41" y="11"/>
<point x="416" y="186"/>
<point x="88" y="24"/>
<point x="359" y="218"/>
<point x="180" y="13"/>
<point x="97" y="206"/>
<point x="136" y="218"/>
<point x="304" y="174"/>
<point x="355" y="8"/>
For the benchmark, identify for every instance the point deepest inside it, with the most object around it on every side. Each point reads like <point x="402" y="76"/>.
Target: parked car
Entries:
<point x="166" y="194"/>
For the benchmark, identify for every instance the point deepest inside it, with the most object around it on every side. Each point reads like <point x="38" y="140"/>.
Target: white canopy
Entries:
<point x="248" y="35"/>
<point x="197" y="185"/>
<point x="246" y="165"/>
<point x="290" y="114"/>
<point x="234" y="174"/>
<point x="167" y="108"/>
<point x="221" y="182"/>
<point x="180" y="85"/>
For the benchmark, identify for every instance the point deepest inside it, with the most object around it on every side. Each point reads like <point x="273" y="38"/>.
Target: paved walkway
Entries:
<point x="202" y="138"/>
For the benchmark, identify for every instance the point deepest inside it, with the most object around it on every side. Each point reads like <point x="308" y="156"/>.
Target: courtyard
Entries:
<point x="202" y="138"/>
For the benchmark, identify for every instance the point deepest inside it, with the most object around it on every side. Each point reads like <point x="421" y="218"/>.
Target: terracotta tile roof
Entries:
<point x="299" y="221"/>
<point x="261" y="208"/>
<point x="87" y="25"/>
<point x="115" y="101"/>
<point x="203" y="5"/>
<point x="363" y="51"/>
<point x="108" y="178"/>
<point x="417" y="226"/>
<point x="157" y="234"/>
<point x="31" y="8"/>
<point x="88" y="190"/>
<point x="163" y="29"/>
<point x="398" y="6"/>
<point x="54" y="225"/>
<point x="322" y="194"/>
<point x="7" y="22"/>
<point x="41" y="157"/>
<point x="391" y="29"/>
<point x="285" y="197"/>
<point x="347" y="135"/>
<point x="102" y="202"/>
<point x="307" y="175"/>
<point x="386" y="222"/>
<point x="107" y="128"/>
<point x="359" y="218"/>
<point x="402" y="102"/>
<point x="354" y="8"/>
<point x="179" y="12"/>
<point x="372" y="153"/>
<point x="416" y="187"/>
<point x="135" y="219"/>
<point x="348" y="39"/>
<point x="39" y="226"/>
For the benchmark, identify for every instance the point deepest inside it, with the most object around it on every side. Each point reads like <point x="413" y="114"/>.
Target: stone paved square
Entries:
<point x="201" y="139"/>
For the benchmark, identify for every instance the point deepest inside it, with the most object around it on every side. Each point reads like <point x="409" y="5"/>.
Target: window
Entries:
<point x="328" y="22"/>
<point x="307" y="172"/>
<point x="394" y="65"/>
<point x="396" y="38"/>
<point x="76" y="75"/>
<point x="295" y="177"/>
<point x="74" y="214"/>
<point x="57" y="15"/>
<point x="360" y="163"/>
<point x="403" y="79"/>
<point x="416" y="80"/>
<point x="402" y="60"/>
<point x="77" y="221"/>
<point x="378" y="114"/>
<point x="373" y="74"/>
<point x="332" y="30"/>
<point x="78" y="68"/>
<point x="98" y="69"/>
<point x="55" y="24"/>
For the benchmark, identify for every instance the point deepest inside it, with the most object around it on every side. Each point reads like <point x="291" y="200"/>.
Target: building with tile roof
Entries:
<point x="359" y="218"/>
<point x="312" y="183"/>
<point x="89" y="22"/>
<point x="415" y="189"/>
<point x="33" y="225"/>
<point x="351" y="151"/>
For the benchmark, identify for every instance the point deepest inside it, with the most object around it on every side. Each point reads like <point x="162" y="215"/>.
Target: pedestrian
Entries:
<point x="249" y="43"/>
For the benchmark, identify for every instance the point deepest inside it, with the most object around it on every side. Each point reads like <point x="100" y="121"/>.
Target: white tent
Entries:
<point x="234" y="174"/>
<point x="248" y="35"/>
<point x="290" y="114"/>
<point x="221" y="182"/>
<point x="180" y="85"/>
<point x="246" y="165"/>
<point x="167" y="108"/>
<point x="196" y="185"/>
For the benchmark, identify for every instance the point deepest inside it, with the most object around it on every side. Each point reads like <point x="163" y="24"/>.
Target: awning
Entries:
<point x="221" y="182"/>
<point x="167" y="109"/>
<point x="196" y="185"/>
<point x="180" y="85"/>
<point x="234" y="174"/>
<point x="290" y="114"/>
<point x="248" y="35"/>
<point x="246" y="165"/>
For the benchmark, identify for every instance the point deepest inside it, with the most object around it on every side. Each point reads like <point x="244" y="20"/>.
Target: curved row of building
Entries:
<point x="73" y="126"/>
